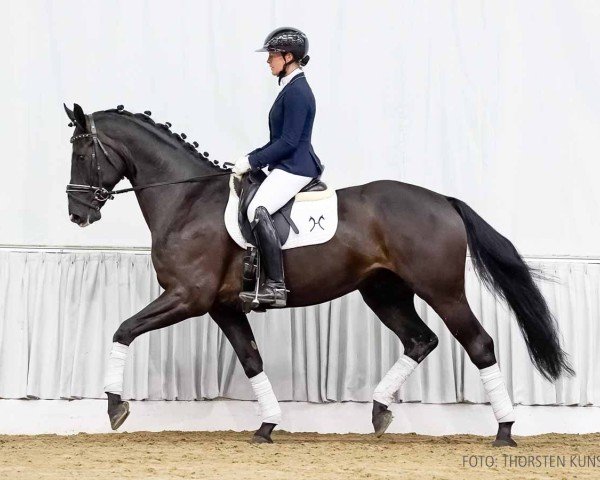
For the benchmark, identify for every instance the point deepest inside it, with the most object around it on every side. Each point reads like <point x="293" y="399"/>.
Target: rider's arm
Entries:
<point x="295" y="111"/>
<point x="259" y="148"/>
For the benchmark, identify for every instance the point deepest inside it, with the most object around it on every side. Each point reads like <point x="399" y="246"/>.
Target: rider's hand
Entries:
<point x="241" y="166"/>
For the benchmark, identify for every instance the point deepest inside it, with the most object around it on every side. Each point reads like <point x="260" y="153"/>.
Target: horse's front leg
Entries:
<point x="236" y="328"/>
<point x="169" y="308"/>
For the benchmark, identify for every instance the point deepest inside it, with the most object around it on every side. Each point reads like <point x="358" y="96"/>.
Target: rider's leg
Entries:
<point x="277" y="189"/>
<point x="272" y="291"/>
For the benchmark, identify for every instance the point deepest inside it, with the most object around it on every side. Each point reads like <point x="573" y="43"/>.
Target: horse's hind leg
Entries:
<point x="458" y="317"/>
<point x="236" y="328"/>
<point x="393" y="302"/>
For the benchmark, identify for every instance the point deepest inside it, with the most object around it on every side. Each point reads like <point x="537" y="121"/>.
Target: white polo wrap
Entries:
<point x="270" y="411"/>
<point x="494" y="386"/>
<point x="393" y="380"/>
<point x="113" y="380"/>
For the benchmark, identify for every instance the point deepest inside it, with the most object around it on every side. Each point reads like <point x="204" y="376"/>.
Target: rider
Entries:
<point x="289" y="155"/>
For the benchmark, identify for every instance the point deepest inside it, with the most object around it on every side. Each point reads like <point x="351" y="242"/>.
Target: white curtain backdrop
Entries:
<point x="58" y="312"/>
<point x="494" y="102"/>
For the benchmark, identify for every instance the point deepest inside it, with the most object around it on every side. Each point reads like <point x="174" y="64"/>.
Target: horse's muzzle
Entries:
<point x="82" y="222"/>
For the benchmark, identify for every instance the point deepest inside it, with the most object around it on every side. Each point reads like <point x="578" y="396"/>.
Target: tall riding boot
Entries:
<point x="272" y="292"/>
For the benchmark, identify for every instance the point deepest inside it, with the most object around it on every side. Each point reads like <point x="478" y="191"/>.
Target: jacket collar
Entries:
<point x="295" y="79"/>
<point x="285" y="80"/>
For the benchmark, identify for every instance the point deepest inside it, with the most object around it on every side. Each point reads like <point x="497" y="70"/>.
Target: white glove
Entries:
<point x="241" y="166"/>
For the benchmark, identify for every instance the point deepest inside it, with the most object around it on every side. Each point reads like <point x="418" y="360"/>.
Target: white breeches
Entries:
<point x="276" y="190"/>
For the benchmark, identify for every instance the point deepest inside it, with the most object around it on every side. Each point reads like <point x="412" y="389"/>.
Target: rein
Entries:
<point x="101" y="194"/>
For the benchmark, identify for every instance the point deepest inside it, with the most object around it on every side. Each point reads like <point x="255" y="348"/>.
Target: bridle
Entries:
<point x="101" y="194"/>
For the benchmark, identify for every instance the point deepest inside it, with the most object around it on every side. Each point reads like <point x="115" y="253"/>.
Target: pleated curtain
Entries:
<point x="59" y="310"/>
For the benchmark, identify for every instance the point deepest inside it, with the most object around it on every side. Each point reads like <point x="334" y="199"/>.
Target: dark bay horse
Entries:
<point x="393" y="241"/>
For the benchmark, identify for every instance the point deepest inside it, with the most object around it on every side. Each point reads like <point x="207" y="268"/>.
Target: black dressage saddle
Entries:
<point x="282" y="218"/>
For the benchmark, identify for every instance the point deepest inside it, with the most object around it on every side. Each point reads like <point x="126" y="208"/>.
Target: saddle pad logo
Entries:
<point x="316" y="222"/>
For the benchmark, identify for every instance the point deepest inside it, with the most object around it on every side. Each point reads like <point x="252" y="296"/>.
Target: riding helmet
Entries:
<point x="287" y="39"/>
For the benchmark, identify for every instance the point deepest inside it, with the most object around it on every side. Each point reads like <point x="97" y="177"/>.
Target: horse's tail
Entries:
<point x="501" y="268"/>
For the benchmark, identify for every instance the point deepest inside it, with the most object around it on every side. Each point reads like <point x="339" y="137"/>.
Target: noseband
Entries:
<point x="101" y="194"/>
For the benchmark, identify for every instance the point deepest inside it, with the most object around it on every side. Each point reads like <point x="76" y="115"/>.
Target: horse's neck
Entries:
<point x="170" y="207"/>
<point x="153" y="162"/>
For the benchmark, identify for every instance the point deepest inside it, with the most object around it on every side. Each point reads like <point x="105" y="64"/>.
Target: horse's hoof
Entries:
<point x="381" y="422"/>
<point x="503" y="437"/>
<point x="260" y="439"/>
<point x="504" y="442"/>
<point x="263" y="434"/>
<point x="118" y="414"/>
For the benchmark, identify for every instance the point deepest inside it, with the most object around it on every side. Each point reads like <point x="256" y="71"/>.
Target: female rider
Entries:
<point x="289" y="156"/>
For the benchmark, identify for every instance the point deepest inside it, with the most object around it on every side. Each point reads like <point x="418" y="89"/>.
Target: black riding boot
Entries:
<point x="272" y="292"/>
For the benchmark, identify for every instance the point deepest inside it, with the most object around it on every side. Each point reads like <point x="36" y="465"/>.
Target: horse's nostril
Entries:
<point x="75" y="218"/>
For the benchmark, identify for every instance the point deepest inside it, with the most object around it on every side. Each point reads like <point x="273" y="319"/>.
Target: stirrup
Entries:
<point x="249" y="300"/>
<point x="277" y="294"/>
<point x="267" y="295"/>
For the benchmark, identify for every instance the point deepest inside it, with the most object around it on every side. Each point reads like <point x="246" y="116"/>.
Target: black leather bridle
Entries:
<point x="101" y="194"/>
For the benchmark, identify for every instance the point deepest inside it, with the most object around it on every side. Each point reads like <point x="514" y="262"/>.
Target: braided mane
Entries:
<point x="166" y="128"/>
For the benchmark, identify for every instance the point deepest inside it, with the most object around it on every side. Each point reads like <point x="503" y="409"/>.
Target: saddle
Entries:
<point x="245" y="189"/>
<point x="282" y="218"/>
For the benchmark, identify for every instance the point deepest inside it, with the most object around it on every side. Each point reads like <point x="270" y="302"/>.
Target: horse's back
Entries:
<point x="413" y="225"/>
<point x="400" y="201"/>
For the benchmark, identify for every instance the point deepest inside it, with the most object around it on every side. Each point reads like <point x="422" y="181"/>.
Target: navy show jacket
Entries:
<point x="290" y="127"/>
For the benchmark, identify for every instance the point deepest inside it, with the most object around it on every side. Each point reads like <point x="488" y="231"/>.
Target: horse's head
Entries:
<point x="95" y="168"/>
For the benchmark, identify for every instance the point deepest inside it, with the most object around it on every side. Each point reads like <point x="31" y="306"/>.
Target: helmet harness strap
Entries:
<point x="283" y="72"/>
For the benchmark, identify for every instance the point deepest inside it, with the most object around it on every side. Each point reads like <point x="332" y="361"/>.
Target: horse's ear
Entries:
<point x="79" y="116"/>
<point x="70" y="113"/>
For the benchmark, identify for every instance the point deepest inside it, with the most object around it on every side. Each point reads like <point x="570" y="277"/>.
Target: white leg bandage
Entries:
<point x="393" y="380"/>
<point x="494" y="386"/>
<point x="113" y="380"/>
<point x="267" y="402"/>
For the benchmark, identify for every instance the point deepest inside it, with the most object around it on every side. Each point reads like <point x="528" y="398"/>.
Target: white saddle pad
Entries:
<point x="314" y="213"/>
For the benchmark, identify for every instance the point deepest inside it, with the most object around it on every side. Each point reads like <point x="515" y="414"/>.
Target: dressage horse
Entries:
<point x="393" y="241"/>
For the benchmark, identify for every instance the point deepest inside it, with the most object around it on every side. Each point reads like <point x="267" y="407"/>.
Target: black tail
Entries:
<point x="502" y="269"/>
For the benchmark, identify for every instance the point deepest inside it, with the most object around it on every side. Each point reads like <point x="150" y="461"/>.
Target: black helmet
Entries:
<point x="287" y="39"/>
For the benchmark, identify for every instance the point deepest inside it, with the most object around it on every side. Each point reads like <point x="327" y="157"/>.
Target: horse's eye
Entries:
<point x="80" y="157"/>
